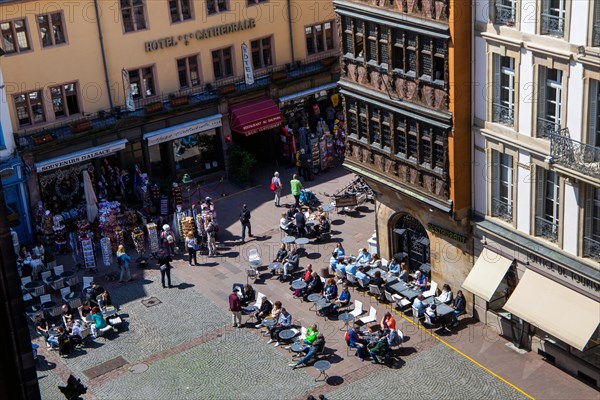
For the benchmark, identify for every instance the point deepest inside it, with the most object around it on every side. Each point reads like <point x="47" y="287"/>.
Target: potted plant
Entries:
<point x="180" y="100"/>
<point x="153" y="107"/>
<point x="44" y="137"/>
<point x="241" y="163"/>
<point x="81" y="126"/>
<point x="329" y="61"/>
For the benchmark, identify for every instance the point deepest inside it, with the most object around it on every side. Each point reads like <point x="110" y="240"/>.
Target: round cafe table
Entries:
<point x="275" y="266"/>
<point x="345" y="318"/>
<point x="299" y="347"/>
<point x="313" y="298"/>
<point x="312" y="222"/>
<point x="298" y="285"/>
<point x="34" y="285"/>
<point x="67" y="274"/>
<point x="327" y="208"/>
<point x="286" y="334"/>
<point x="268" y="322"/>
<point x="322" y="366"/>
<point x="288" y="241"/>
<point x="301" y="242"/>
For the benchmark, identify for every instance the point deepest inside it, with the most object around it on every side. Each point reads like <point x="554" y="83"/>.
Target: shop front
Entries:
<point x="192" y="148"/>
<point x="14" y="187"/>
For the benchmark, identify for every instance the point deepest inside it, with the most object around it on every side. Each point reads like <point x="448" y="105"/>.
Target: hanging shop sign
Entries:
<point x="76" y="158"/>
<point x="219" y="30"/>
<point x="445" y="232"/>
<point x="183" y="130"/>
<point x="248" y="74"/>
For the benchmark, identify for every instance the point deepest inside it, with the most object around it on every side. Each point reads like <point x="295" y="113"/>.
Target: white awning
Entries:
<point x="486" y="275"/>
<point x="183" y="130"/>
<point x="308" y="92"/>
<point x="80" y="156"/>
<point x="558" y="310"/>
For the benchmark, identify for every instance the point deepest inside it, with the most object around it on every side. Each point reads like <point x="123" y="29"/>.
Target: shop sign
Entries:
<point x="262" y="125"/>
<point x="563" y="272"/>
<point x="76" y="158"/>
<point x="444" y="232"/>
<point x="248" y="75"/>
<point x="7" y="173"/>
<point x="172" y="41"/>
<point x="183" y="130"/>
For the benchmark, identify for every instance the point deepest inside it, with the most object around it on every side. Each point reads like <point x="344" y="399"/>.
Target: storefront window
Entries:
<point x="197" y="154"/>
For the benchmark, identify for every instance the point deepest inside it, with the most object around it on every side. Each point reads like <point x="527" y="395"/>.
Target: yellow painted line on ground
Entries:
<point x="461" y="353"/>
<point x="236" y="193"/>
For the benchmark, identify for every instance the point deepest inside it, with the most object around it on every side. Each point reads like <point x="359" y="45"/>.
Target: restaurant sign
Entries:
<point x="444" y="232"/>
<point x="206" y="33"/>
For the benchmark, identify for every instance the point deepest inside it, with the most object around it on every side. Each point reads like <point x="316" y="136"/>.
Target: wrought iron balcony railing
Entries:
<point x="502" y="209"/>
<point x="505" y="14"/>
<point x="553" y="25"/>
<point x="503" y="114"/>
<point x="575" y="155"/>
<point x="596" y="35"/>
<point x="546" y="229"/>
<point x="546" y="128"/>
<point x="591" y="248"/>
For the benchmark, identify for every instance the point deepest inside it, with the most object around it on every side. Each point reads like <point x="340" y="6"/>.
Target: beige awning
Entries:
<point x="558" y="310"/>
<point x="486" y="275"/>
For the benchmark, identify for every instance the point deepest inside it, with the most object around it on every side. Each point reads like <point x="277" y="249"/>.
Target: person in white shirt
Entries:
<point x="446" y="295"/>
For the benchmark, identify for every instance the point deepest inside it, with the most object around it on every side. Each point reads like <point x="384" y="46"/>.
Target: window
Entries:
<point x="359" y="40"/>
<point x="222" y="63"/>
<point x="261" y="53"/>
<point x="188" y="71"/>
<point x="411" y="53"/>
<point x="401" y="137"/>
<point x="503" y="88"/>
<point x="594" y="115"/>
<point x="548" y="202"/>
<point x="216" y="6"/>
<point x="591" y="236"/>
<point x="386" y="131"/>
<point x="362" y="122"/>
<point x="180" y="10"/>
<point x="549" y="102"/>
<point x="52" y="29"/>
<point x="133" y="13"/>
<point x="352" y="118"/>
<point x="502" y="186"/>
<point x="596" y="25"/>
<point x="426" y="139"/>
<point x="64" y="100"/>
<point x="348" y="37"/>
<point x="15" y="38"/>
<point x="29" y="108"/>
<point x="142" y="82"/>
<point x="505" y="12"/>
<point x="552" y="18"/>
<point x="376" y="126"/>
<point x="398" y="49"/>
<point x="319" y="37"/>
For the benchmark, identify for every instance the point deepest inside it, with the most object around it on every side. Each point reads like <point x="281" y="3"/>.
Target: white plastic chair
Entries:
<point x="259" y="300"/>
<point x="432" y="290"/>
<point x="25" y="280"/>
<point x="87" y="281"/>
<point x="64" y="292"/>
<point x="254" y="258"/>
<point x="372" y="317"/>
<point x="45" y="276"/>
<point x="45" y="298"/>
<point x="401" y="336"/>
<point x="59" y="269"/>
<point x="358" y="309"/>
<point x="351" y="279"/>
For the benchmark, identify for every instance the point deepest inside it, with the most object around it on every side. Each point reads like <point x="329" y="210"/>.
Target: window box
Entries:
<point x="179" y="100"/>
<point x="329" y="61"/>
<point x="81" y="126"/>
<point x="279" y="75"/>
<point x="226" y="89"/>
<point x="44" y="137"/>
<point x="153" y="107"/>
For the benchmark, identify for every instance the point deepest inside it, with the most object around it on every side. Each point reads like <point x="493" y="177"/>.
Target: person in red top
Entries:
<point x="306" y="278"/>
<point x="235" y="306"/>
<point x="388" y="321"/>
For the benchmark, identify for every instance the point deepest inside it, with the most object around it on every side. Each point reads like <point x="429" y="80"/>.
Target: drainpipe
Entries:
<point x="110" y="101"/>
<point x="289" y="4"/>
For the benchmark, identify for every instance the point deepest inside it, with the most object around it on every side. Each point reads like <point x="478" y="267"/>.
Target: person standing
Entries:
<point x="276" y="183"/>
<point x="192" y="247"/>
<point x="211" y="235"/>
<point x="123" y="263"/>
<point x="168" y="238"/>
<point x="296" y="186"/>
<point x="235" y="307"/>
<point x="245" y="220"/>
<point x="305" y="162"/>
<point x="164" y="264"/>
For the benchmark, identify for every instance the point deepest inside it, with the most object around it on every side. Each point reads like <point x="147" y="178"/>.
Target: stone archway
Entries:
<point x="410" y="242"/>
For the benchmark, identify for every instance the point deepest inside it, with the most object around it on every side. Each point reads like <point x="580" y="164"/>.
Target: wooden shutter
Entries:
<point x="588" y="211"/>
<point x="495" y="171"/>
<point x="497" y="82"/>
<point x="540" y="193"/>
<point x="593" y="112"/>
<point x="542" y="74"/>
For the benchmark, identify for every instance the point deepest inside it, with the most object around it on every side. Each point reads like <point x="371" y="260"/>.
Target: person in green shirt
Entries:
<point x="296" y="186"/>
<point x="311" y="334"/>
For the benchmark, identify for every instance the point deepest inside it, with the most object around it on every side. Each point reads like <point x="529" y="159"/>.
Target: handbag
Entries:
<point x="273" y="187"/>
<point x="163" y="267"/>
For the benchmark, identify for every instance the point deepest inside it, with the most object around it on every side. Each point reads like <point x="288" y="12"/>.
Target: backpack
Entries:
<point x="347" y="336"/>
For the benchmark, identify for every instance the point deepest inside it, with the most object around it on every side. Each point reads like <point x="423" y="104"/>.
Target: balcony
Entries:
<point x="596" y="35"/>
<point x="502" y="209"/>
<point x="503" y="115"/>
<point x="575" y="155"/>
<point x="552" y="25"/>
<point x="505" y="14"/>
<point x="546" y="229"/>
<point x="547" y="128"/>
<point x="591" y="248"/>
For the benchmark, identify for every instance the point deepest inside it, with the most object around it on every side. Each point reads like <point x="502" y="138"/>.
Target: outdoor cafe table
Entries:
<point x="398" y="287"/>
<point x="109" y="311"/>
<point x="410" y="294"/>
<point x="298" y="285"/>
<point x="314" y="298"/>
<point x="312" y="222"/>
<point x="345" y="318"/>
<point x="441" y="309"/>
<point x="31" y="286"/>
<point x="322" y="304"/>
<point x="67" y="274"/>
<point x="327" y="208"/>
<point x="274" y="267"/>
<point x="287" y="334"/>
<point x="268" y="322"/>
<point x="384" y="274"/>
<point x="301" y="242"/>
<point x="288" y="240"/>
<point x="299" y="347"/>
<point x="53" y="278"/>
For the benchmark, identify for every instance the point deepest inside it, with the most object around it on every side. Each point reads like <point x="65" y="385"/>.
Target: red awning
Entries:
<point x="257" y="116"/>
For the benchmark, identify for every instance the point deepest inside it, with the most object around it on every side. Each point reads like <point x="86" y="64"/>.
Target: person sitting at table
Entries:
<point x="363" y="257"/>
<point x="388" y="321"/>
<point x="394" y="267"/>
<point x="276" y="311"/>
<point x="36" y="264"/>
<point x="53" y="340"/>
<point x="284" y="224"/>
<point x="354" y="341"/>
<point x="330" y="292"/>
<point x="380" y="282"/>
<point x="41" y="326"/>
<point x="315" y="348"/>
<point x="283" y="322"/>
<point x="420" y="282"/>
<point x="380" y="349"/>
<point x="431" y="312"/>
<point x="340" y="263"/>
<point x="24" y="254"/>
<point x="98" y="321"/>
<point x="338" y="251"/>
<point x="291" y="212"/>
<point x="104" y="300"/>
<point x="342" y="300"/>
<point x="459" y="304"/>
<point x="26" y="270"/>
<point x="375" y="261"/>
<point x="311" y="334"/>
<point x="306" y="278"/>
<point x="67" y="315"/>
<point x="315" y="286"/>
<point x="323" y="228"/>
<point x="85" y="311"/>
<point x="446" y="295"/>
<point x="419" y="305"/>
<point x="362" y="276"/>
<point x="348" y="269"/>
<point x="39" y="251"/>
<point x="289" y="264"/>
<point x="249" y="295"/>
<point x="93" y="291"/>
<point x="300" y="222"/>
<point x="282" y="253"/>
<point x="265" y="309"/>
<point x="404" y="272"/>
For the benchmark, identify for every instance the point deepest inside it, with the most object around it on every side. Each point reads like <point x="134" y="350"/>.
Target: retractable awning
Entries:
<point x="257" y="116"/>
<point x="308" y="92"/>
<point x="558" y="310"/>
<point x="486" y="275"/>
<point x="80" y="156"/>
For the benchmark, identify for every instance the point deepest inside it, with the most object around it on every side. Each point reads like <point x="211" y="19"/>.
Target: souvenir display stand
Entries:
<point x="315" y="155"/>
<point x="153" y="237"/>
<point x="107" y="252"/>
<point x="187" y="226"/>
<point x="108" y="223"/>
<point x="87" y="251"/>
<point x="138" y="241"/>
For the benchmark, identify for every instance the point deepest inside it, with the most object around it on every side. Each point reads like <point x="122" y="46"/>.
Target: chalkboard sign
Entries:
<point x="164" y="205"/>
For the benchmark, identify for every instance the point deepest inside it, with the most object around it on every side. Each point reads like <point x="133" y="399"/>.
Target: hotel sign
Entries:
<point x="219" y="30"/>
<point x="445" y="232"/>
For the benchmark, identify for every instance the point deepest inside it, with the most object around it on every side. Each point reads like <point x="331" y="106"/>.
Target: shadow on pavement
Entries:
<point x="184" y="285"/>
<point x="335" y="381"/>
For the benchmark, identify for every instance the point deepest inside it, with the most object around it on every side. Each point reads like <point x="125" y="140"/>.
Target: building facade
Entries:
<point x="153" y="86"/>
<point x="536" y="195"/>
<point x="406" y="90"/>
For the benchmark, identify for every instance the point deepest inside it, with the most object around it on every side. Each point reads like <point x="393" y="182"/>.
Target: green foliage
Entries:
<point x="240" y="163"/>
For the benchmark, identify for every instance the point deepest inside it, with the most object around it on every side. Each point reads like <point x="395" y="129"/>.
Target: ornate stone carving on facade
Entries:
<point x="441" y="188"/>
<point x="411" y="90"/>
<point x="414" y="176"/>
<point x="376" y="79"/>
<point x="378" y="161"/>
<point x="401" y="5"/>
<point x="385" y="82"/>
<point x="427" y="6"/>
<point x="366" y="156"/>
<point x="440" y="99"/>
<point x="351" y="68"/>
<point x="403" y="172"/>
<point x="362" y="75"/>
<point x="356" y="152"/>
<point x="387" y="165"/>
<point x="411" y="6"/>
<point x="400" y="85"/>
<point x="427" y="95"/>
<point x="440" y="9"/>
<point x="429" y="183"/>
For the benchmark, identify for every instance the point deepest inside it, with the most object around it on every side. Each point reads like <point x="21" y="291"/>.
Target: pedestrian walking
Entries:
<point x="276" y="188"/>
<point x="296" y="186"/>
<point x="245" y="220"/>
<point x="235" y="306"/>
<point x="123" y="263"/>
<point x="211" y="235"/>
<point x="191" y="247"/>
<point x="164" y="264"/>
<point x="306" y="164"/>
<point x="168" y="239"/>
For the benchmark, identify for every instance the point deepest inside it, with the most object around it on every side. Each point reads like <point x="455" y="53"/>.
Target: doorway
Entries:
<point x="411" y="244"/>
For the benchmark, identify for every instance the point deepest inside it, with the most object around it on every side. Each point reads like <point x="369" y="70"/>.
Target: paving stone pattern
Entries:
<point x="48" y="383"/>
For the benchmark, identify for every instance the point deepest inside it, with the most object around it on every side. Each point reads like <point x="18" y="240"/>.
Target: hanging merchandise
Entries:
<point x="119" y="237"/>
<point x="108" y="213"/>
<point x="187" y="226"/>
<point x="176" y="195"/>
<point x="153" y="237"/>
<point x="47" y="230"/>
<point x="107" y="252"/>
<point x="60" y="234"/>
<point x="138" y="240"/>
<point x="315" y="154"/>
<point x="87" y="250"/>
<point x="130" y="221"/>
<point x="177" y="228"/>
<point x="83" y="228"/>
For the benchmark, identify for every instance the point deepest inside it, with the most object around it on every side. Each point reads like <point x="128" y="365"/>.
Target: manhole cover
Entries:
<point x="152" y="301"/>
<point x="138" y="368"/>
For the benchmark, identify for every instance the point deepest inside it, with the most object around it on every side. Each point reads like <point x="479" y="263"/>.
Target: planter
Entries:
<point x="43" y="138"/>
<point x="277" y="76"/>
<point x="153" y="107"/>
<point x="226" y="89"/>
<point x="81" y="126"/>
<point x="329" y="61"/>
<point x="179" y="101"/>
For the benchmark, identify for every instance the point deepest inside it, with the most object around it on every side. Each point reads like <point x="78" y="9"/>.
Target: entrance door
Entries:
<point x="411" y="243"/>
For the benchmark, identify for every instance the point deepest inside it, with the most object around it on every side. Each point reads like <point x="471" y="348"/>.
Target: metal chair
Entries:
<point x="45" y="276"/>
<point x="58" y="284"/>
<point x="59" y="269"/>
<point x="374" y="290"/>
<point x="372" y="317"/>
<point x="351" y="279"/>
<point x="251" y="273"/>
<point x="432" y="290"/>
